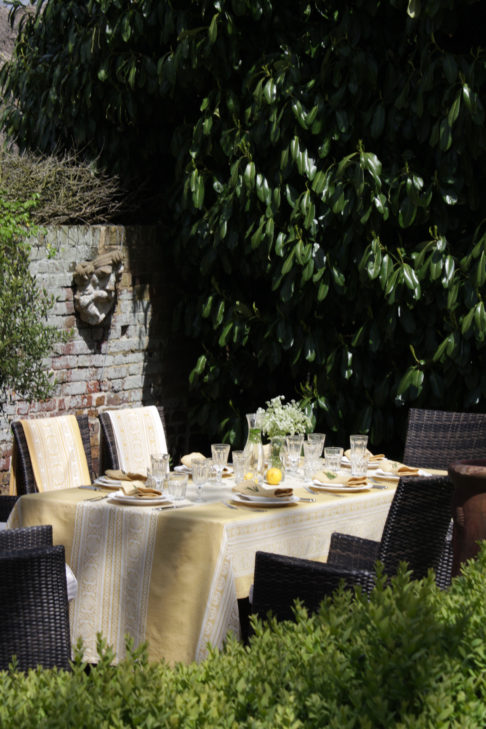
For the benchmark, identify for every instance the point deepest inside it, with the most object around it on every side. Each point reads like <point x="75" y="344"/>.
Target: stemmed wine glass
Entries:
<point x="200" y="475"/>
<point x="220" y="453"/>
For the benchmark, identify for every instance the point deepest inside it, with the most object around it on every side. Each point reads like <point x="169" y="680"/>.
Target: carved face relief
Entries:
<point x="96" y="286"/>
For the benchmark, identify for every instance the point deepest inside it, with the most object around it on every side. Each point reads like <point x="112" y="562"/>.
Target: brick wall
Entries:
<point x="131" y="359"/>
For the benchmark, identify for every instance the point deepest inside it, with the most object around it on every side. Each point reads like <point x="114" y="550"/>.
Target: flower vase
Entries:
<point x="254" y="446"/>
<point x="277" y="443"/>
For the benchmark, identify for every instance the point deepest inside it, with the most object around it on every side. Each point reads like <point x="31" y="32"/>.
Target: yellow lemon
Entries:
<point x="274" y="476"/>
<point x="248" y="476"/>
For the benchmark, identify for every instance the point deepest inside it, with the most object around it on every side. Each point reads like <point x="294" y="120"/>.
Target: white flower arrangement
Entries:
<point x="280" y="419"/>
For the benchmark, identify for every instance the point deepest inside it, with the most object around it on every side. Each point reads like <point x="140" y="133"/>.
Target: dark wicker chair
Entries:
<point x="435" y="439"/>
<point x="414" y="532"/>
<point x="26" y="537"/>
<point x="7" y="503"/>
<point x="108" y="451"/>
<point x="34" y="618"/>
<point x="26" y="483"/>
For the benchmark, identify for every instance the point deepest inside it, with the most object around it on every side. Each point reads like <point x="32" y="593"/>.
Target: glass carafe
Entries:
<point x="254" y="446"/>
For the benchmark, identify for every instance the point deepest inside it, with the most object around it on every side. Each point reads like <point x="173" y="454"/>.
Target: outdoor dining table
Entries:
<point x="173" y="577"/>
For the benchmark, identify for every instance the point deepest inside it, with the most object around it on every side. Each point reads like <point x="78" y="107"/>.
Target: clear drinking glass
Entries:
<point x="333" y="457"/>
<point x="200" y="475"/>
<point x="317" y="438"/>
<point x="159" y="468"/>
<point x="359" y="462"/>
<point x="358" y="442"/>
<point x="220" y="453"/>
<point x="294" y="447"/>
<point x="177" y="485"/>
<point x="240" y="461"/>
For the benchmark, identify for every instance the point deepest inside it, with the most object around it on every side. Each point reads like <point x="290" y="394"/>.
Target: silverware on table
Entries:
<point x="303" y="498"/>
<point x="98" y="498"/>
<point x="172" y="506"/>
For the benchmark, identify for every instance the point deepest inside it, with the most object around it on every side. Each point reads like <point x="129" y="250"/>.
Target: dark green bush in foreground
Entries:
<point x="411" y="656"/>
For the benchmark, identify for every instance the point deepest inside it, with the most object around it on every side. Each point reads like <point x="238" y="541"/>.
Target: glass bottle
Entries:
<point x="254" y="446"/>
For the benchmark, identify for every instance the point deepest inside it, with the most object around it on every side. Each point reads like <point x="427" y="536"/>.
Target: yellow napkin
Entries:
<point x="136" y="488"/>
<point x="249" y="488"/>
<point x="118" y="475"/>
<point x="372" y="458"/>
<point x="340" y="478"/>
<point x="398" y="468"/>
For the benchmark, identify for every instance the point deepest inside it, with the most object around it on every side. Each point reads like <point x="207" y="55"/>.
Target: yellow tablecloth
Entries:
<point x="172" y="578"/>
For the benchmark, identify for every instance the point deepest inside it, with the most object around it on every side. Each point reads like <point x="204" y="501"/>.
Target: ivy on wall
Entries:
<point x="324" y="168"/>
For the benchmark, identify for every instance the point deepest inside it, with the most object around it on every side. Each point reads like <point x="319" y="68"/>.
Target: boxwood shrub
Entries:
<point x="410" y="656"/>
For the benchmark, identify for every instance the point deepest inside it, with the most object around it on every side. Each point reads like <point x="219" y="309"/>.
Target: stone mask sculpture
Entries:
<point x="96" y="286"/>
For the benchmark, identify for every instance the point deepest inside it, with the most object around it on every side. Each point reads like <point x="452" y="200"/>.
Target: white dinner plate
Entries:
<point x="336" y="487"/>
<point x="386" y="476"/>
<point x="120" y="498"/>
<point x="346" y="463"/>
<point x="264" y="500"/>
<point x="108" y="483"/>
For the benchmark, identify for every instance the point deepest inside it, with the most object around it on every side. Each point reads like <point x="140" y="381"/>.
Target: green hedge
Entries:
<point x="411" y="656"/>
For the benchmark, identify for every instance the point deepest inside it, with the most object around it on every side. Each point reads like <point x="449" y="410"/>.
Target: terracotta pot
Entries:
<point x="468" y="508"/>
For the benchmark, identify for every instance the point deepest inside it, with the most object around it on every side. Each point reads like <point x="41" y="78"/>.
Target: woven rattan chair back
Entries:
<point x="26" y="537"/>
<point x="26" y="483"/>
<point x="108" y="451"/>
<point x="436" y="438"/>
<point x="416" y="525"/>
<point x="34" y="618"/>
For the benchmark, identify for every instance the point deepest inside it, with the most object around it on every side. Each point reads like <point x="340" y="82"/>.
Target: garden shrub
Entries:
<point x="26" y="339"/>
<point x="409" y="656"/>
<point x="323" y="166"/>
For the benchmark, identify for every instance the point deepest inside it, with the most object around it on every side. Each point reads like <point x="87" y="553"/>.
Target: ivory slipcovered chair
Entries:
<point x="23" y="478"/>
<point x="128" y="436"/>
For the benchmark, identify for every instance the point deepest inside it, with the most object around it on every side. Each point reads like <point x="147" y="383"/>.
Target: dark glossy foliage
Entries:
<point x="325" y="175"/>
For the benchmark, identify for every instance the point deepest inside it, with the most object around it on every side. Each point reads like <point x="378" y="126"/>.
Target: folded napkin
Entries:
<point x="372" y="457"/>
<point x="340" y="478"/>
<point x="250" y="488"/>
<point x="398" y="469"/>
<point x="187" y="460"/>
<point x="136" y="488"/>
<point x="119" y="475"/>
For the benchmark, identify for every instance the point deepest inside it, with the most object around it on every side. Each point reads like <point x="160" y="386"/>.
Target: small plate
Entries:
<point x="120" y="498"/>
<point x="338" y="487"/>
<point x="264" y="500"/>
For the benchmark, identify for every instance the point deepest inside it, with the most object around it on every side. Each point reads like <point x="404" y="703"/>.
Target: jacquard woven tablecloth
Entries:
<point x="173" y="577"/>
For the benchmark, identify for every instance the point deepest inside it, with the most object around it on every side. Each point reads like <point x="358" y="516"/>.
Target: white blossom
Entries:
<point x="283" y="419"/>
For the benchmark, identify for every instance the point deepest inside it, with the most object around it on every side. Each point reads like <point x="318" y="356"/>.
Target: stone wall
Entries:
<point x="131" y="358"/>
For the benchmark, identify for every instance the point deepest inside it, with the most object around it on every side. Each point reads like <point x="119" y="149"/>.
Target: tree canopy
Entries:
<point x="323" y="165"/>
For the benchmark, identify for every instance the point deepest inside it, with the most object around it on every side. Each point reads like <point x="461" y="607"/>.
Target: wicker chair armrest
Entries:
<point x="280" y="580"/>
<point x="443" y="573"/>
<point x="353" y="553"/>
<point x="26" y="537"/>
